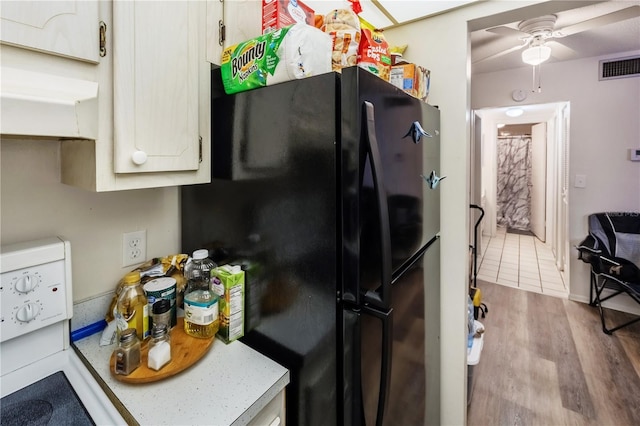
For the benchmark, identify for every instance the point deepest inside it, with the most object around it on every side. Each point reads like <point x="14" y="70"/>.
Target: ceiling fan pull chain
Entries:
<point x="533" y="79"/>
<point x="539" y="83"/>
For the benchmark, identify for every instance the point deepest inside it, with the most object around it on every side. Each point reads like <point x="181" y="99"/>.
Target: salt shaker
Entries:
<point x="159" y="347"/>
<point x="127" y="354"/>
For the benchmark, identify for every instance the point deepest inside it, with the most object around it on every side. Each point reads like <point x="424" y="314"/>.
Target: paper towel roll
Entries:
<point x="304" y="51"/>
<point x="289" y="53"/>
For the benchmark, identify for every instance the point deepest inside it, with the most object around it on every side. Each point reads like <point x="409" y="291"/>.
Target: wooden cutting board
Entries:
<point x="185" y="351"/>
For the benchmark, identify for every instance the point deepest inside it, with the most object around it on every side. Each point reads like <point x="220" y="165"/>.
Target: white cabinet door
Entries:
<point x="156" y="61"/>
<point x="66" y="28"/>
<point x="242" y="20"/>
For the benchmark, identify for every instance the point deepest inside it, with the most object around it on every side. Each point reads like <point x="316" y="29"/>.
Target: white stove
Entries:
<point x="43" y="381"/>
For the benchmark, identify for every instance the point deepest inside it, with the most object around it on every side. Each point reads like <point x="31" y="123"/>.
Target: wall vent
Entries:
<point x="620" y="68"/>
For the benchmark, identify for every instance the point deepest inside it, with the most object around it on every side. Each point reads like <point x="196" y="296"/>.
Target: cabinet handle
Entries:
<point x="221" y="33"/>
<point x="103" y="39"/>
<point x="139" y="157"/>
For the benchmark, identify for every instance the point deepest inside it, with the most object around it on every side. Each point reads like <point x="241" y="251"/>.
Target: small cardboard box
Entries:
<point x="413" y="79"/>
<point x="228" y="284"/>
<point x="282" y="13"/>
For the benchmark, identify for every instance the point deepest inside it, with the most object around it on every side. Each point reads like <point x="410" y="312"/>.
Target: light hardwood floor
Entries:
<point x="546" y="361"/>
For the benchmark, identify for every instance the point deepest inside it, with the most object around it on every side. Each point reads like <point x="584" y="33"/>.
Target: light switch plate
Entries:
<point x="581" y="181"/>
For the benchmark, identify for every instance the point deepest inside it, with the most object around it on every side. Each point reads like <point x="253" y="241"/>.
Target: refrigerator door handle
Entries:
<point x="385" y="357"/>
<point x="381" y="298"/>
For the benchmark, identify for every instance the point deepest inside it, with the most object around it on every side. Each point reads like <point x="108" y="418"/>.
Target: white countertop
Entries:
<point x="228" y="386"/>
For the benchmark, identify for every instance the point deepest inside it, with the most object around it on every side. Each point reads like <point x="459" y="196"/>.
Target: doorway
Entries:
<point x="522" y="180"/>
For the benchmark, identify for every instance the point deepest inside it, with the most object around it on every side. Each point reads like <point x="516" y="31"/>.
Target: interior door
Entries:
<point x="538" y="179"/>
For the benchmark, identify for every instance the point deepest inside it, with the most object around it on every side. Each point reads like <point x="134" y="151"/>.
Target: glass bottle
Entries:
<point x="127" y="354"/>
<point x="132" y="310"/>
<point x="159" y="347"/>
<point x="200" y="302"/>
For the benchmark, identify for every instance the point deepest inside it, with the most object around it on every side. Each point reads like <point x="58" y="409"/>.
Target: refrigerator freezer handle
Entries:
<point x="382" y="298"/>
<point x="385" y="357"/>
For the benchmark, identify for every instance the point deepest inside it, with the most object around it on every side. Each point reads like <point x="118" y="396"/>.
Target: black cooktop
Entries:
<point x="49" y="401"/>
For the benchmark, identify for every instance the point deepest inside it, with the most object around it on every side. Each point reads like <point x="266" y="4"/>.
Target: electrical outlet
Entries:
<point x="134" y="248"/>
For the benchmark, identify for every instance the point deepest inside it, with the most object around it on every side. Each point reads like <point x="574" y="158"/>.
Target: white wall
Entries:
<point x="441" y="44"/>
<point x="34" y="204"/>
<point x="604" y="124"/>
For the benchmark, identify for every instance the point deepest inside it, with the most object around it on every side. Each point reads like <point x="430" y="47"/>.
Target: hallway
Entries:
<point x="520" y="261"/>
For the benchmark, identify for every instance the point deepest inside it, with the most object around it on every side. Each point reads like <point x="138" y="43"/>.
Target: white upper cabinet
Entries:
<point x="155" y="96"/>
<point x="125" y="86"/>
<point x="65" y="28"/>
<point x="231" y="22"/>
<point x="156" y="86"/>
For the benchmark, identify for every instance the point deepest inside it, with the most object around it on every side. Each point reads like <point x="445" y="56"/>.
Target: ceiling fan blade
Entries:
<point x="507" y="31"/>
<point x="561" y="51"/>
<point x="501" y="53"/>
<point x="610" y="18"/>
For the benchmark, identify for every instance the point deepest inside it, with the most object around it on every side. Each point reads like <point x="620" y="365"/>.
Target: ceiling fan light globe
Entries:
<point x="535" y="55"/>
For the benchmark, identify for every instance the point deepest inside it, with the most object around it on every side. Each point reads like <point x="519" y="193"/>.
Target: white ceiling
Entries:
<point x="387" y="13"/>
<point x="623" y="36"/>
<point x="617" y="37"/>
<point x="610" y="39"/>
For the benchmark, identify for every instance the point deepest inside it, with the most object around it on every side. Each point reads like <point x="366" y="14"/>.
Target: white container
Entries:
<point x="473" y="358"/>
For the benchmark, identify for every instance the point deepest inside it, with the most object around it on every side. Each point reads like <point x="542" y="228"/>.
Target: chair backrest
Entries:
<point x="617" y="234"/>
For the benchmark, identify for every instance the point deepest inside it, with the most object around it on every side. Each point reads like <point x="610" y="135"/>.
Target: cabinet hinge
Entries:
<point x="221" y="32"/>
<point x="200" y="148"/>
<point x="103" y="39"/>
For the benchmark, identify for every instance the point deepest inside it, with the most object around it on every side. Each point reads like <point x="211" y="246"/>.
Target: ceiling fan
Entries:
<point x="539" y="34"/>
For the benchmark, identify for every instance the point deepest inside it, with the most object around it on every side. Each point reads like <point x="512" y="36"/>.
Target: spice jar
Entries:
<point x="161" y="312"/>
<point x="159" y="347"/>
<point x="127" y="354"/>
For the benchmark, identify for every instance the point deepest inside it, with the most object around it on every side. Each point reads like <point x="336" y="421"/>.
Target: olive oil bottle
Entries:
<point x="132" y="310"/>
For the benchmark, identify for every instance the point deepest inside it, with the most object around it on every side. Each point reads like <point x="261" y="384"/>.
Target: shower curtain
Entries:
<point x="514" y="182"/>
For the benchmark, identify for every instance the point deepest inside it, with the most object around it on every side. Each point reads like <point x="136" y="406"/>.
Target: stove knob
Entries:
<point x="26" y="284"/>
<point x="28" y="312"/>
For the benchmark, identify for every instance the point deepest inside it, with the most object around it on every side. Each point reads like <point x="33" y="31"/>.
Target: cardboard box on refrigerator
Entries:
<point x="413" y="79"/>
<point x="282" y="13"/>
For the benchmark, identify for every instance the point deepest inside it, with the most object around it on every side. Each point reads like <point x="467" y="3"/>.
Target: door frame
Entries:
<point x="556" y="212"/>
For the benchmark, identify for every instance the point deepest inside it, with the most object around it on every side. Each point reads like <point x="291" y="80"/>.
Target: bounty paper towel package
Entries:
<point x="289" y="53"/>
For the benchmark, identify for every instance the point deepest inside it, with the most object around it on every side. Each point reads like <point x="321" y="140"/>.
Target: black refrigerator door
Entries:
<point x="407" y="133"/>
<point x="406" y="395"/>
<point x="398" y="224"/>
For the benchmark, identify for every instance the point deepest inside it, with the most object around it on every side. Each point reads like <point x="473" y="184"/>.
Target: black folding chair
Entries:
<point x="612" y="248"/>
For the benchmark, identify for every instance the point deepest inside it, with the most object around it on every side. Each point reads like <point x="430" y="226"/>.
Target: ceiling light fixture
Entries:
<point x="535" y="55"/>
<point x="514" y="112"/>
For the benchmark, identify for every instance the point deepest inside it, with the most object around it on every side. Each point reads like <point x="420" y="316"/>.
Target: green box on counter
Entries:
<point x="228" y="284"/>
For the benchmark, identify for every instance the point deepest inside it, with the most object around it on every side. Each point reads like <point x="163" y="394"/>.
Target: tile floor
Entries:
<point x="520" y="261"/>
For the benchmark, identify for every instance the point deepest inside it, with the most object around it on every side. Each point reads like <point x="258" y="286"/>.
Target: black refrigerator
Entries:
<point x="326" y="190"/>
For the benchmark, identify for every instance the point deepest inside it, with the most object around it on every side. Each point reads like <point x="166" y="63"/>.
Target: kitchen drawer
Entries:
<point x="272" y="414"/>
